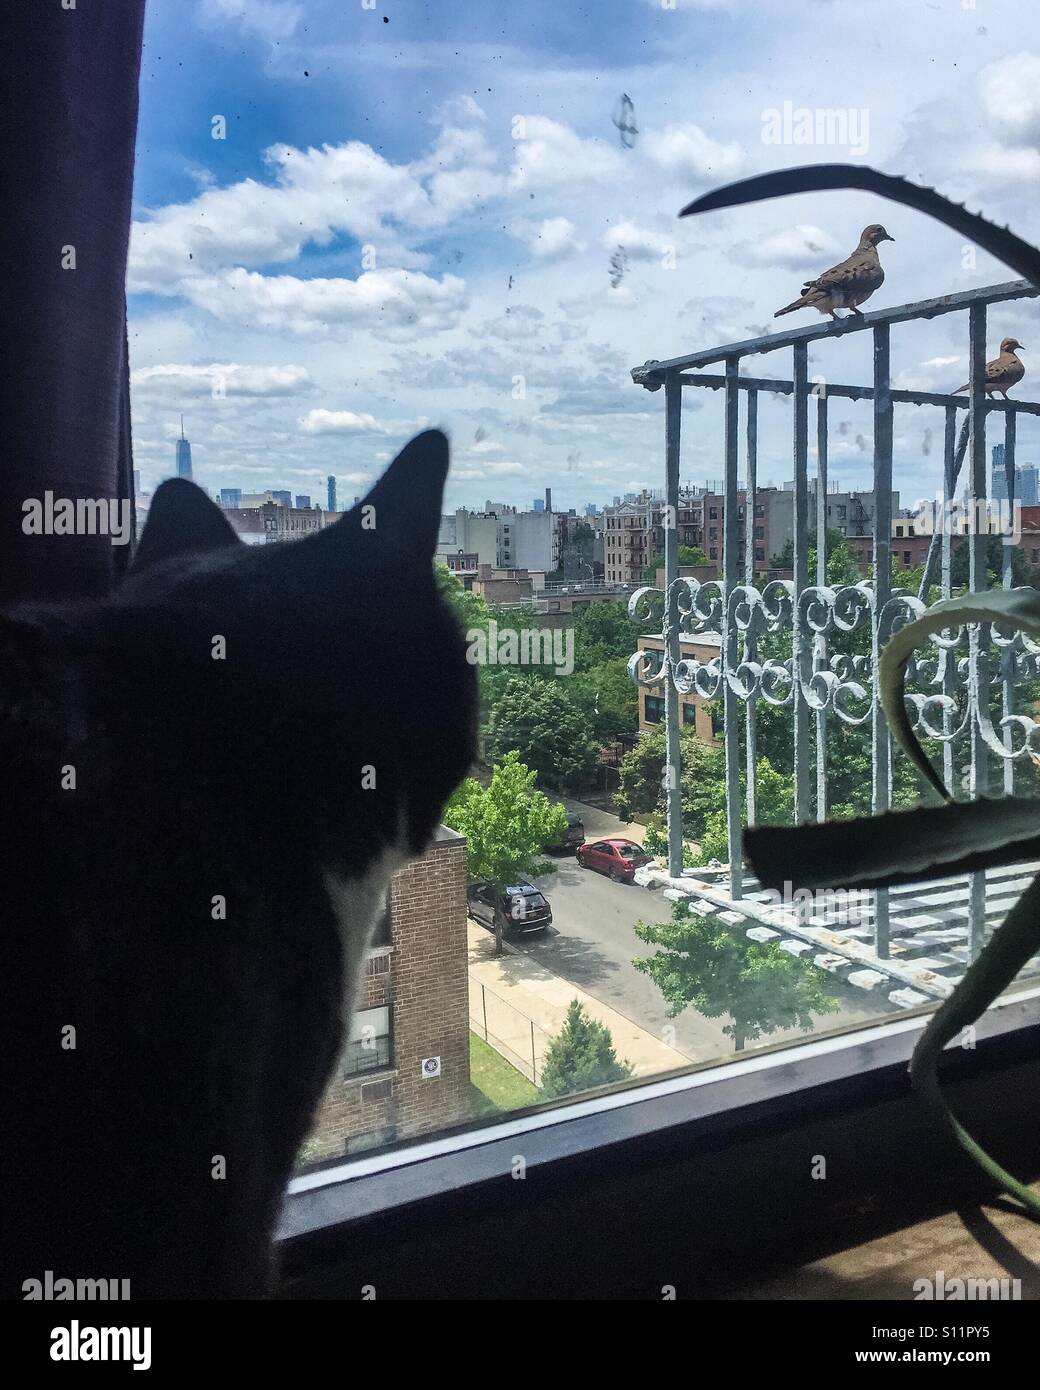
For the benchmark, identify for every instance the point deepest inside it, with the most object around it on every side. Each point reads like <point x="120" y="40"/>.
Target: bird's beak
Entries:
<point x="886" y="237"/>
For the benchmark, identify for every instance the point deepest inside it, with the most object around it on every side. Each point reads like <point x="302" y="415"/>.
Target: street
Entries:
<point x="592" y="943"/>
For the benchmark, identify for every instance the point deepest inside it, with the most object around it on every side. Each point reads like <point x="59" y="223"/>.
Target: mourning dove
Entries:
<point x="1003" y="371"/>
<point x="846" y="285"/>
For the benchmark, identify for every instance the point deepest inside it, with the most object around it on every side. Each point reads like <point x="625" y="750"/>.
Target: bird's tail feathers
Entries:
<point x="798" y="304"/>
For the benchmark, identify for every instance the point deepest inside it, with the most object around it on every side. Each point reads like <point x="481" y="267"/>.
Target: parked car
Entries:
<point x="570" y="838"/>
<point x="617" y="858"/>
<point x="522" y="909"/>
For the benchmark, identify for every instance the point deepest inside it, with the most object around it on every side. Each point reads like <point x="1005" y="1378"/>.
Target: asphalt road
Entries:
<point x="592" y="943"/>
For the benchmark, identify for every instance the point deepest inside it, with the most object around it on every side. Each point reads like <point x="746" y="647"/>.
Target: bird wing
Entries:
<point x="1006" y="367"/>
<point x="859" y="271"/>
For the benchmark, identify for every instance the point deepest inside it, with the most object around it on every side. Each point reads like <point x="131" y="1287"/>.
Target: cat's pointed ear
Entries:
<point x="181" y="519"/>
<point x="404" y="507"/>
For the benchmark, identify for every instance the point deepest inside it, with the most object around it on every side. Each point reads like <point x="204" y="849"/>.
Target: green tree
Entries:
<point x="1021" y="571"/>
<point x="842" y="559"/>
<point x="608" y="699"/>
<point x="581" y="1056"/>
<point x="507" y="824"/>
<point x="701" y="962"/>
<point x="549" y="730"/>
<point x="688" y="555"/>
<point x="603" y="632"/>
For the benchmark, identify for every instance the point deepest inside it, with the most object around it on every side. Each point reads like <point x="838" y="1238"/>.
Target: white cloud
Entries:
<point x="519" y="322"/>
<point x="234" y="379"/>
<point x="687" y="152"/>
<point x="1002" y="163"/>
<point x="315" y="196"/>
<point x="804" y="247"/>
<point x="640" y="243"/>
<point x="552" y="155"/>
<point x="1009" y="90"/>
<point x="392" y="304"/>
<point x="551" y="239"/>
<point x="339" y="422"/>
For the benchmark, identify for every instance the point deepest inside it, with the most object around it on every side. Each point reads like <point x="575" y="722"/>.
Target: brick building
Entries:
<point x="413" y="1007"/>
<point x="693" y="711"/>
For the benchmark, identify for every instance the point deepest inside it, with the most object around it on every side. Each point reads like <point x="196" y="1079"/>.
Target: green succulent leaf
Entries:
<point x="897" y="847"/>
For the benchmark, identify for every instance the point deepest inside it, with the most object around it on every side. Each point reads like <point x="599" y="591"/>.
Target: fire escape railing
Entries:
<point x="956" y="673"/>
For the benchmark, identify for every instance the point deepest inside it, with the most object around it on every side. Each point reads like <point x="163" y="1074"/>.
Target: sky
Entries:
<point x="351" y="223"/>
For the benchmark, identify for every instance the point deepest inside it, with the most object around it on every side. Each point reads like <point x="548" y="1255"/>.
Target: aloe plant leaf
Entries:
<point x="897" y="847"/>
<point x="1012" y="944"/>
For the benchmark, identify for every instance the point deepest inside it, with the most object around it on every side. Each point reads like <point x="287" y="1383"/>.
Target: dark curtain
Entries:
<point x="66" y="166"/>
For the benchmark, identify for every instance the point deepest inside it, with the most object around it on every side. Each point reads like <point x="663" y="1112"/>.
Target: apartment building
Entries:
<point x="634" y="531"/>
<point x="404" y="1068"/>
<point x="272" y="521"/>
<point x="694" y="712"/>
<point x="503" y="537"/>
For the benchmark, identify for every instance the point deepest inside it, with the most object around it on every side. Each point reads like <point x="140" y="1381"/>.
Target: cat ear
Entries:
<point x="181" y="519"/>
<point x="404" y="507"/>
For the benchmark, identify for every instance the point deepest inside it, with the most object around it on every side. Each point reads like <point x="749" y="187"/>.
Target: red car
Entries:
<point x="617" y="858"/>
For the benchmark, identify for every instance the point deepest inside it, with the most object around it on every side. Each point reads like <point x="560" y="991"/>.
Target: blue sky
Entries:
<point x="412" y="215"/>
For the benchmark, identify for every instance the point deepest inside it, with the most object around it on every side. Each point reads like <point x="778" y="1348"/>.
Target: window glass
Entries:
<point x="321" y="264"/>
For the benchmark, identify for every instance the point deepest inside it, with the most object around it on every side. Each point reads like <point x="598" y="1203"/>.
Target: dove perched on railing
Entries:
<point x="1004" y="371"/>
<point x="847" y="285"/>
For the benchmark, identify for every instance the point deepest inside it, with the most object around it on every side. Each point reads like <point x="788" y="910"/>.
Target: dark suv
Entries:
<point x="522" y="909"/>
<point x="570" y="838"/>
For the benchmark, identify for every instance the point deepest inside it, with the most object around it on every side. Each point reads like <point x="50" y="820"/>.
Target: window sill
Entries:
<point x="718" y="1152"/>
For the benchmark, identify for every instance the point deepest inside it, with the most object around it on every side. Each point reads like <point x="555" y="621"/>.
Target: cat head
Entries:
<point x="308" y="698"/>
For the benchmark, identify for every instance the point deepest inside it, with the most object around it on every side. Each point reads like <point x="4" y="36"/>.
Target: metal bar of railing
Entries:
<point x="899" y="396"/>
<point x="820" y="653"/>
<point x="881" y="790"/>
<point x="751" y="639"/>
<point x="729" y="569"/>
<point x="1007" y="660"/>
<point x="978" y="635"/>
<point x="801" y="578"/>
<point x="952" y="462"/>
<point x="946" y="581"/>
<point x="654" y="373"/>
<point x="670" y="630"/>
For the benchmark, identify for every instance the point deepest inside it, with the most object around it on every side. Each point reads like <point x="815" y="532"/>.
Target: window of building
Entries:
<point x="368" y="1046"/>
<point x="713" y="553"/>
<point x="653" y="708"/>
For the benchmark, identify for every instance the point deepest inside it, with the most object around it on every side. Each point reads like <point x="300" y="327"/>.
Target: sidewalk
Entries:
<point x="519" y="993"/>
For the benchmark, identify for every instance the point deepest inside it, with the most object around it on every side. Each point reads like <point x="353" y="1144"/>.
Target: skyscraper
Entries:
<point x="1026" y="489"/>
<point x="332" y="492"/>
<point x="231" y="497"/>
<point x="302" y="501"/>
<point x="183" y="455"/>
